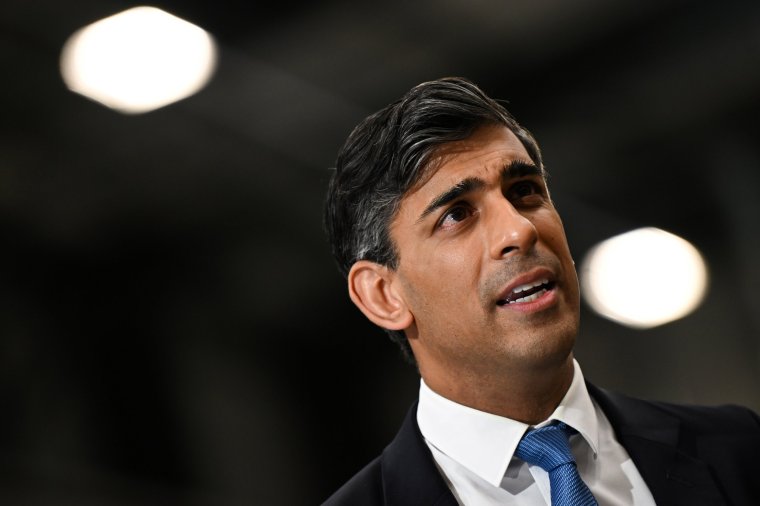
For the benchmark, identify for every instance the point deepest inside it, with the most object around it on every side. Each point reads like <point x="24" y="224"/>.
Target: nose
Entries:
<point x="510" y="232"/>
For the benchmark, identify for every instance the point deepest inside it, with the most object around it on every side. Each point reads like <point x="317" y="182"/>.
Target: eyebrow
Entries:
<point x="513" y="170"/>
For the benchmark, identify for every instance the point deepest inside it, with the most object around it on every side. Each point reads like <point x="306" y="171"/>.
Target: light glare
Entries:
<point x="138" y="60"/>
<point x="644" y="278"/>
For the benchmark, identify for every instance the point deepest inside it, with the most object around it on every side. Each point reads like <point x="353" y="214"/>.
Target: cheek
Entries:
<point x="447" y="276"/>
<point x="562" y="250"/>
<point x="550" y="228"/>
<point x="553" y="235"/>
<point x="555" y="238"/>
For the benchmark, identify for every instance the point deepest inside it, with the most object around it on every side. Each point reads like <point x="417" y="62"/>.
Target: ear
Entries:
<point x="371" y="288"/>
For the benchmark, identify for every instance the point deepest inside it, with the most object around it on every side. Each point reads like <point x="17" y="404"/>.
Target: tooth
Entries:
<point x="528" y="286"/>
<point x="529" y="298"/>
<point x="522" y="288"/>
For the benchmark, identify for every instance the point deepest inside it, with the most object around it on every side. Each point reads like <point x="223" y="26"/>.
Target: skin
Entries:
<point x="460" y="253"/>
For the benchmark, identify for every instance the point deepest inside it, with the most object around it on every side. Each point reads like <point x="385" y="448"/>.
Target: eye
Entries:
<point x="454" y="215"/>
<point x="526" y="192"/>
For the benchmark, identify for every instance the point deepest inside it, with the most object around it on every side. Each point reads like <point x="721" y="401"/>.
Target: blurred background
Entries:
<point x="173" y="328"/>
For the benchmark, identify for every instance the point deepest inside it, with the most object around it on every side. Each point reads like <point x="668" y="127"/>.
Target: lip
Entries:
<point x="531" y="276"/>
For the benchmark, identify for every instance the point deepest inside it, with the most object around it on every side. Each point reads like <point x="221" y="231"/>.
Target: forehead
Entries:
<point x="482" y="155"/>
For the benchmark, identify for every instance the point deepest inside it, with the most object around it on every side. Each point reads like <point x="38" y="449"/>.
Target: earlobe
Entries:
<point x="370" y="286"/>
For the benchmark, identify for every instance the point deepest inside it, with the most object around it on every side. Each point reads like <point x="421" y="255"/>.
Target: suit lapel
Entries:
<point x="660" y="450"/>
<point x="410" y="476"/>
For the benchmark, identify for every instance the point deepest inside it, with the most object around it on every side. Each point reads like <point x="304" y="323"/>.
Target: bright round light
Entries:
<point x="138" y="60"/>
<point x="644" y="278"/>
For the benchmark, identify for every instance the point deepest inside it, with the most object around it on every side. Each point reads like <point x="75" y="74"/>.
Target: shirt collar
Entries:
<point x="483" y="442"/>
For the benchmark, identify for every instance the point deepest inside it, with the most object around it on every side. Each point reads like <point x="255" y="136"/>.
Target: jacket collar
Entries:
<point x="660" y="448"/>
<point x="654" y="439"/>
<point x="410" y="476"/>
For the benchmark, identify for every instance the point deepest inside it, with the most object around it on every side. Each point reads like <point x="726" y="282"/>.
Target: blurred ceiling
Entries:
<point x="174" y="328"/>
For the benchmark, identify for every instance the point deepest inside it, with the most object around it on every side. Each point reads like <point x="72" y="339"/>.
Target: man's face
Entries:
<point x="484" y="265"/>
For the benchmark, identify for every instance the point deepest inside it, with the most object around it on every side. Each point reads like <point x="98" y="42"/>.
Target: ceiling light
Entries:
<point x="138" y="60"/>
<point x="644" y="278"/>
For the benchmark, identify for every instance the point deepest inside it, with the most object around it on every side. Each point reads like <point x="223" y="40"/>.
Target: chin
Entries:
<point x="546" y="349"/>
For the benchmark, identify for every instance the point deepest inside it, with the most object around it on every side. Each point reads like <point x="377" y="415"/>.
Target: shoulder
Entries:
<point x="700" y="419"/>
<point x="684" y="450"/>
<point x="365" y="487"/>
<point x="714" y="419"/>
<point x="405" y="474"/>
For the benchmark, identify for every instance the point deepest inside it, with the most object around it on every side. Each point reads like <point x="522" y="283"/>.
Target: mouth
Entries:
<point x="527" y="292"/>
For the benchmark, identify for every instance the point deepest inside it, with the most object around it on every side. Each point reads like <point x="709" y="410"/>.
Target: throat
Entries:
<point x="527" y="396"/>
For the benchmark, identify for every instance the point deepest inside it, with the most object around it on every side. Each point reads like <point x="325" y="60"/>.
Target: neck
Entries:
<point x="528" y="394"/>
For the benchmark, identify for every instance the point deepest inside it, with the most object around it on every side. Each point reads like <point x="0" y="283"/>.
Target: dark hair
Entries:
<point x="388" y="153"/>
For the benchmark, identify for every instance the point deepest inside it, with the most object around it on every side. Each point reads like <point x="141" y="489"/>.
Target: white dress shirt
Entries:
<point x="474" y="452"/>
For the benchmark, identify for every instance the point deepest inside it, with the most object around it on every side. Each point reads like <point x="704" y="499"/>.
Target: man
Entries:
<point x="440" y="218"/>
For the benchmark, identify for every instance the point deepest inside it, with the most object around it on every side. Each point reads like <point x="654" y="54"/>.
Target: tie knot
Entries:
<point x="547" y="447"/>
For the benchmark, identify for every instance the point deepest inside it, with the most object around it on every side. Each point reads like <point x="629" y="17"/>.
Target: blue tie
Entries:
<point x="549" y="449"/>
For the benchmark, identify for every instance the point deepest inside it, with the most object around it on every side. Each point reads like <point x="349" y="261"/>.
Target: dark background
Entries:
<point x="173" y="328"/>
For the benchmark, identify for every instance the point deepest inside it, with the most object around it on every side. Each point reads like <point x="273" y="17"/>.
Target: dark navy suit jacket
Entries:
<point x="687" y="455"/>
